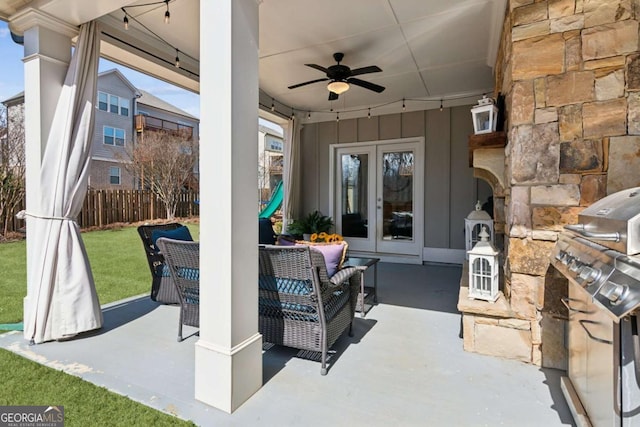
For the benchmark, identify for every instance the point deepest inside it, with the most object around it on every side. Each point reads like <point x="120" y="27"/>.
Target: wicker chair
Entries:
<point x="162" y="287"/>
<point x="183" y="260"/>
<point x="299" y="305"/>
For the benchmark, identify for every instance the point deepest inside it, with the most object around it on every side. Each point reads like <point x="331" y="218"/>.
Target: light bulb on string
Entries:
<point x="177" y="59"/>
<point x="308" y="114"/>
<point x="441" y="105"/>
<point x="126" y="22"/>
<point x="404" y="107"/>
<point x="369" y="114"/>
<point x="273" y="106"/>
<point x="167" y="15"/>
<point x="337" y="117"/>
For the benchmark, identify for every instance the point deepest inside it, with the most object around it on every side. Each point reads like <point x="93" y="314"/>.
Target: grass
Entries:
<point x="120" y="270"/>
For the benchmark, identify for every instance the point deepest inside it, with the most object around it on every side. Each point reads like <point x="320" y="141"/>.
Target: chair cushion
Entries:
<point x="334" y="254"/>
<point x="180" y="233"/>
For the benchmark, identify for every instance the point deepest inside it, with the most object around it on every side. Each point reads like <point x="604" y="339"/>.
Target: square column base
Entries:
<point x="227" y="377"/>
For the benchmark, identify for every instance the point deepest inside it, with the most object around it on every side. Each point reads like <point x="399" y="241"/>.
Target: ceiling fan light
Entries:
<point x="338" y="87"/>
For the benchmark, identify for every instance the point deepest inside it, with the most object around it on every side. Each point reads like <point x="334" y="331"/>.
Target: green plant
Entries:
<point x="315" y="222"/>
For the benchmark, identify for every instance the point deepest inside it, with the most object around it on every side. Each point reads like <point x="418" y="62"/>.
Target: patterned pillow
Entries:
<point x="334" y="253"/>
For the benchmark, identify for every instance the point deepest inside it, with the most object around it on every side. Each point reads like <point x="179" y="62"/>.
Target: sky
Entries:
<point x="12" y="77"/>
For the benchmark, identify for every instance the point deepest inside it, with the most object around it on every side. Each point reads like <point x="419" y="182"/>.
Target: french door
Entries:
<point x="378" y="195"/>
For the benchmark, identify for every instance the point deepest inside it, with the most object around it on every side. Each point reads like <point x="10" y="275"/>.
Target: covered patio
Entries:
<point x="568" y="73"/>
<point x="404" y="366"/>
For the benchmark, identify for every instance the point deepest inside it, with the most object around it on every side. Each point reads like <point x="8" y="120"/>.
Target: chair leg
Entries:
<point x="351" y="328"/>
<point x="180" y="326"/>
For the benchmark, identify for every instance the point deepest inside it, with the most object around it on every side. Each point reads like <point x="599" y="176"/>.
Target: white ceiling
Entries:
<point x="428" y="50"/>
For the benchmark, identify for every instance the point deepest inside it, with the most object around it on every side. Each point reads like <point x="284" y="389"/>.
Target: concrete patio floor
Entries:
<point x="405" y="366"/>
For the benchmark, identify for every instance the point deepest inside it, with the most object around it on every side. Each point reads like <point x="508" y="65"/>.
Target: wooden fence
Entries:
<point x="103" y="207"/>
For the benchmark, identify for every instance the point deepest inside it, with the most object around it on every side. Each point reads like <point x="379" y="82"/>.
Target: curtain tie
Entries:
<point x="23" y="214"/>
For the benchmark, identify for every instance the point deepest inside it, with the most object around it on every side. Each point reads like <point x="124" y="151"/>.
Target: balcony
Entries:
<point x="143" y="123"/>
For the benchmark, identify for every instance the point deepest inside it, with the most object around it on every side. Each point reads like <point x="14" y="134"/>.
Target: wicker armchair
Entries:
<point x="162" y="287"/>
<point x="183" y="260"/>
<point x="299" y="305"/>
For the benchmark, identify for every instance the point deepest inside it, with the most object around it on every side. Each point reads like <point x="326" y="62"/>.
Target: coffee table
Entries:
<point x="362" y="264"/>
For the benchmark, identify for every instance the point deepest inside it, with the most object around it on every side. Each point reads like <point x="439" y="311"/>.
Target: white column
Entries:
<point x="47" y="53"/>
<point x="228" y="365"/>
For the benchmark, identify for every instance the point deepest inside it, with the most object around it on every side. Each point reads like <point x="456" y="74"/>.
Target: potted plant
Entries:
<point x="315" y="222"/>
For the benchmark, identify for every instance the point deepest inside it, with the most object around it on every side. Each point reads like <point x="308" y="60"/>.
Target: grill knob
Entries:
<point x="614" y="292"/>
<point x="575" y="265"/>
<point x="590" y="274"/>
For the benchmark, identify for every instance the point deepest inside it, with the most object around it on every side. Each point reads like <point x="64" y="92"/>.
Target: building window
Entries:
<point x="124" y="107"/>
<point x="114" y="175"/>
<point x="113" y="136"/>
<point x="113" y="104"/>
<point x="102" y="101"/>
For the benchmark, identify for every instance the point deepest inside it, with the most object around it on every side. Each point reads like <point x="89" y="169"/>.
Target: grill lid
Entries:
<point x="613" y="221"/>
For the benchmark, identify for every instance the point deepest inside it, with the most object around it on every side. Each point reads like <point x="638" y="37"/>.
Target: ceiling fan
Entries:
<point x="341" y="76"/>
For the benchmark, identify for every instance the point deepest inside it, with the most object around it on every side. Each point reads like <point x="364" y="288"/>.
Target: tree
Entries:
<point x="12" y="162"/>
<point x="164" y="163"/>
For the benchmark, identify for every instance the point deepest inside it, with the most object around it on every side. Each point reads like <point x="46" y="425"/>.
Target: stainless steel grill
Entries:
<point x="599" y="256"/>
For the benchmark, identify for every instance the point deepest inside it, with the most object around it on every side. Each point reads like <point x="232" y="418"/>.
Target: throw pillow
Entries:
<point x="180" y="233"/>
<point x="333" y="253"/>
<point x="285" y="241"/>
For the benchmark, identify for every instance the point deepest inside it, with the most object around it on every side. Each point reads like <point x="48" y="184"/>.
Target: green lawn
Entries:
<point x="120" y="270"/>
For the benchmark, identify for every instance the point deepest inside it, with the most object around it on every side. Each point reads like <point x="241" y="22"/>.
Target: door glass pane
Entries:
<point x="397" y="195"/>
<point x="354" y="194"/>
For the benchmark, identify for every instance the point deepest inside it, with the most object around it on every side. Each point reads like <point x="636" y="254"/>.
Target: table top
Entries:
<point x="359" y="262"/>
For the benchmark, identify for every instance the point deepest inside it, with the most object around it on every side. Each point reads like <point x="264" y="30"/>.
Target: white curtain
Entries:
<point x="61" y="297"/>
<point x="291" y="202"/>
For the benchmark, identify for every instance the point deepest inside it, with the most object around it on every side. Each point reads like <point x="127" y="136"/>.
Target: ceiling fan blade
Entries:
<point x="333" y="96"/>
<point x="317" y="67"/>
<point x="308" y="83"/>
<point x="367" y="85"/>
<point x="366" y="70"/>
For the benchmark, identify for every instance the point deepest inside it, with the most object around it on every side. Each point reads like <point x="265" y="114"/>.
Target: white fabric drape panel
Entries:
<point x="291" y="202"/>
<point x="61" y="296"/>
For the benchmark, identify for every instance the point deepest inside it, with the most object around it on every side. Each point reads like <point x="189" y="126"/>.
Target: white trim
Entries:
<point x="106" y="159"/>
<point x="444" y="255"/>
<point x="44" y="58"/>
<point x="31" y="17"/>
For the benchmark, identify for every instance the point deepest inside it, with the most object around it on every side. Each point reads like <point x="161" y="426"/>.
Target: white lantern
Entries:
<point x="484" y="116"/>
<point x="483" y="270"/>
<point x="473" y="224"/>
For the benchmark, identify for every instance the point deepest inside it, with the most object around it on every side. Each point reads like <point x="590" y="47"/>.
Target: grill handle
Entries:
<point x="583" y="322"/>
<point x="608" y="237"/>
<point x="567" y="301"/>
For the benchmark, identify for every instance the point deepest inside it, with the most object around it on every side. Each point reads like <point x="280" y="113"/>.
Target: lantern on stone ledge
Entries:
<point x="483" y="270"/>
<point x="485" y="116"/>
<point x="473" y="224"/>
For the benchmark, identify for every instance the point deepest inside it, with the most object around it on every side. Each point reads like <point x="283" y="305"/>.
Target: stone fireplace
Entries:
<point x="570" y="74"/>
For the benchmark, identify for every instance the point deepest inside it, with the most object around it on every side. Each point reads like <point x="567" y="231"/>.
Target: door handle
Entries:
<point x="583" y="322"/>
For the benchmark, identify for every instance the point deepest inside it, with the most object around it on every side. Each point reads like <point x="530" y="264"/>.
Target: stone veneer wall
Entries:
<point x="570" y="73"/>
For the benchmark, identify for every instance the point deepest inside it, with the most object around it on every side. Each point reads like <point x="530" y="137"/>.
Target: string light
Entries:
<point x="293" y="116"/>
<point x="368" y="109"/>
<point x="167" y="15"/>
<point x="177" y="59"/>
